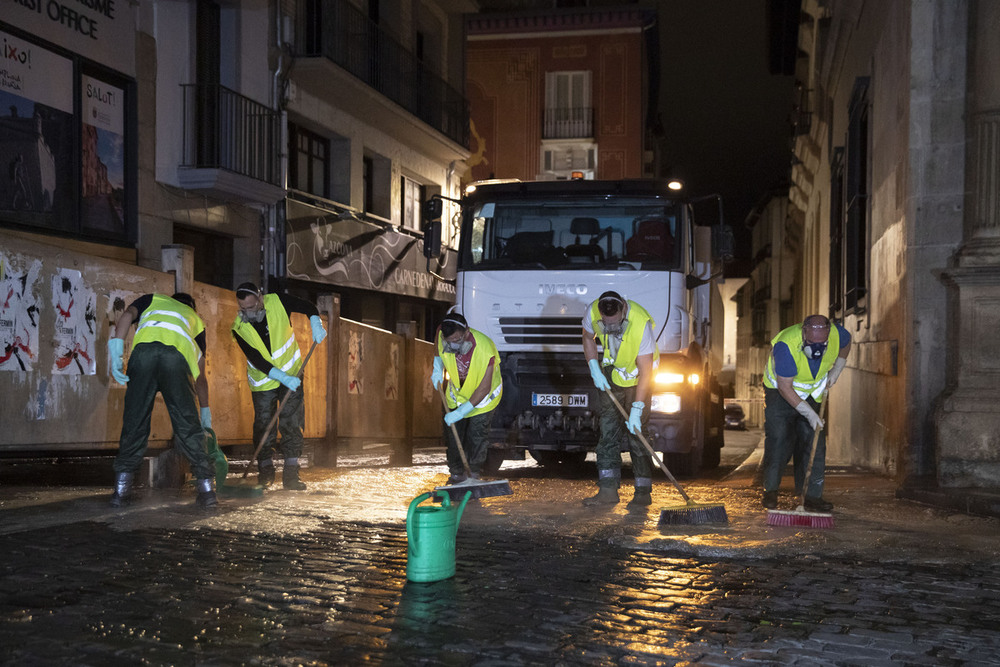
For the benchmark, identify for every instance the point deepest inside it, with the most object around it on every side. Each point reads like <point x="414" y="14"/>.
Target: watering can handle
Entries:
<point x="445" y="502"/>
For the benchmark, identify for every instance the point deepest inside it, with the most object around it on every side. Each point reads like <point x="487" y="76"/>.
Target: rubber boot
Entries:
<point x="206" y="494"/>
<point x="265" y="473"/>
<point x="642" y="497"/>
<point x="123" y="489"/>
<point x="290" y="478"/>
<point x="606" y="495"/>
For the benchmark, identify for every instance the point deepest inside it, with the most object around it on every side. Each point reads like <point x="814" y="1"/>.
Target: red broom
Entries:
<point x="799" y="516"/>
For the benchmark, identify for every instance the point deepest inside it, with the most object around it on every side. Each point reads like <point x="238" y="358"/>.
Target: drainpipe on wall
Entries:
<point x="273" y="256"/>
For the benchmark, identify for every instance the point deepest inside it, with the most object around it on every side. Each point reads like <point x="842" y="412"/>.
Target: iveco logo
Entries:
<point x="548" y="289"/>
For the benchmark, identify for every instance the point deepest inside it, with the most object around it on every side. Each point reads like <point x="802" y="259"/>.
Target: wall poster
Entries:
<point x="36" y="134"/>
<point x="18" y="315"/>
<point x="103" y="156"/>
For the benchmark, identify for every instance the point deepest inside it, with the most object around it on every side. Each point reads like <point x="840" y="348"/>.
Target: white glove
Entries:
<point x="804" y="409"/>
<point x="600" y="380"/>
<point x="838" y="367"/>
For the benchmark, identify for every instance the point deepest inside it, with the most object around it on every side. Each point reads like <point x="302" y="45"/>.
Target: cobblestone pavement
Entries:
<point x="319" y="578"/>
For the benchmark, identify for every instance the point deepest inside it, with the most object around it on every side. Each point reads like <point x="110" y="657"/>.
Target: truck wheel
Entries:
<point x="712" y="456"/>
<point x="682" y="465"/>
<point x="494" y="459"/>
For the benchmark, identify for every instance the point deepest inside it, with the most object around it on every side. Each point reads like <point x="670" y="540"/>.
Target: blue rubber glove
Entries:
<point x="634" y="423"/>
<point x="437" y="375"/>
<point x="461" y="412"/>
<point x="284" y="378"/>
<point x="319" y="333"/>
<point x="206" y="418"/>
<point x="116" y="350"/>
<point x="600" y="380"/>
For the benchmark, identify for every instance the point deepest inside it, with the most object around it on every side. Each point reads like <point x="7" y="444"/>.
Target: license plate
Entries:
<point x="559" y="400"/>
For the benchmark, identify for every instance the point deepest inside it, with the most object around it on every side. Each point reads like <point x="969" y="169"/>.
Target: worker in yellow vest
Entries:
<point x="473" y="391"/>
<point x="623" y="366"/>
<point x="263" y="330"/>
<point x="805" y="360"/>
<point x="168" y="356"/>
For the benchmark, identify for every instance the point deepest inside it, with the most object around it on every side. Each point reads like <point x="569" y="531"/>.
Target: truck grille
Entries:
<point x="543" y="330"/>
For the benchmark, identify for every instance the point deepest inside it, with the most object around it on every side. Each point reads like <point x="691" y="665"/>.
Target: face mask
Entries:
<point x="814" y="350"/>
<point x="616" y="329"/>
<point x="460" y="348"/>
<point x="252" y="316"/>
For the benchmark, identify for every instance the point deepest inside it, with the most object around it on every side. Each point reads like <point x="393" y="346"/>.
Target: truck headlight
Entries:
<point x="667" y="377"/>
<point x="668" y="403"/>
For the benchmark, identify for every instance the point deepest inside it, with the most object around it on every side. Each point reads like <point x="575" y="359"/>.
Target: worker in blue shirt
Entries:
<point x="805" y="360"/>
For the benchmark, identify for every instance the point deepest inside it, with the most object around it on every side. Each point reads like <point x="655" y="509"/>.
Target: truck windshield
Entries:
<point x="628" y="233"/>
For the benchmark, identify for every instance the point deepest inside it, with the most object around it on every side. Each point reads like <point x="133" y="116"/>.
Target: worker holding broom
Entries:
<point x="263" y="330"/>
<point x="168" y="356"/>
<point x="625" y="368"/>
<point x="473" y="391"/>
<point x="805" y="360"/>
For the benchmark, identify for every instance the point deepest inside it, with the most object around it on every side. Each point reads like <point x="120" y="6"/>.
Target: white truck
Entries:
<point x="533" y="255"/>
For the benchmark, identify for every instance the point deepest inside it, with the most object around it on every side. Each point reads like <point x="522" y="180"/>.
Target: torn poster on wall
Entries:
<point x="18" y="315"/>
<point x="75" y="338"/>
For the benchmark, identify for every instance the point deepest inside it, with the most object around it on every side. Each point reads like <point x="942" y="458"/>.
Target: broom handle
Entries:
<point x="649" y="449"/>
<point x="277" y="411"/>
<point x="812" y="452"/>
<point x="454" y="432"/>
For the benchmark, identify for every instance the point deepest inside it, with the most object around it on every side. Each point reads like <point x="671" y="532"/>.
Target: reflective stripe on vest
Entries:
<point x="481" y="355"/>
<point x="625" y="372"/>
<point x="284" y="355"/>
<point x="804" y="383"/>
<point x="172" y="323"/>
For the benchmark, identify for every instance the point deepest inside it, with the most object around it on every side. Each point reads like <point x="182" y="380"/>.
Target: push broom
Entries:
<point x="800" y="516"/>
<point x="270" y="425"/>
<point x="478" y="488"/>
<point x="690" y="513"/>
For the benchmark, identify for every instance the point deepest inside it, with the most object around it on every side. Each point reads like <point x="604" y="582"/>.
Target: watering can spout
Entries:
<point x="461" y="508"/>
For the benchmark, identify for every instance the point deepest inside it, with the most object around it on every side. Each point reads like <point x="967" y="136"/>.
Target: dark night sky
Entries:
<point x="725" y="116"/>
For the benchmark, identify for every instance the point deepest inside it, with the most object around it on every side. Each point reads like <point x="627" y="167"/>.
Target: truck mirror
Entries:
<point x="432" y="208"/>
<point x="723" y="242"/>
<point x="432" y="236"/>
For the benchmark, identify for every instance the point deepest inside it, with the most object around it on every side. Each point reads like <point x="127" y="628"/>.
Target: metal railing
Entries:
<point x="348" y="38"/>
<point x="225" y="130"/>
<point x="568" y="123"/>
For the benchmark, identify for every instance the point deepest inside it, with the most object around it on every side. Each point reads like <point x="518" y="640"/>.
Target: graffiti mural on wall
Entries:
<point x="18" y="315"/>
<point x="75" y="337"/>
<point x="340" y="249"/>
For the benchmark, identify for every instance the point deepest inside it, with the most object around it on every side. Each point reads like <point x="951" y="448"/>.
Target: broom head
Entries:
<point x="478" y="489"/>
<point x="799" y="518"/>
<point x="240" y="490"/>
<point x="693" y="514"/>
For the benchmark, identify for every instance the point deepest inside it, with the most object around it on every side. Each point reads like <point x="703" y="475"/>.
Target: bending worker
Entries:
<point x="472" y="392"/>
<point x="263" y="330"/>
<point x="625" y="368"/>
<point x="168" y="356"/>
<point x="805" y="360"/>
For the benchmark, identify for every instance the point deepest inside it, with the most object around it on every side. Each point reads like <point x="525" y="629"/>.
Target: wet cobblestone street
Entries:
<point x="320" y="578"/>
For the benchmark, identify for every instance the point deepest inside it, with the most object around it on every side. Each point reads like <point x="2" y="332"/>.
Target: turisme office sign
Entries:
<point x="100" y="30"/>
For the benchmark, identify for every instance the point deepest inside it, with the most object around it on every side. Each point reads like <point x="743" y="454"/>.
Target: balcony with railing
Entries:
<point x="568" y="123"/>
<point x="340" y="33"/>
<point x="231" y="144"/>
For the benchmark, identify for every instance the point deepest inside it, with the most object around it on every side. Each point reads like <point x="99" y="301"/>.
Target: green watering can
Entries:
<point x="430" y="537"/>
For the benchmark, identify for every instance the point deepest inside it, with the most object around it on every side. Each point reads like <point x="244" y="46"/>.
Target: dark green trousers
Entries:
<point x="609" y="456"/>
<point x="152" y="368"/>
<point x="474" y="433"/>
<point x="290" y="421"/>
